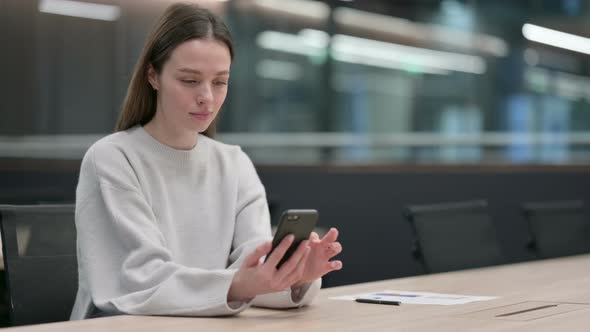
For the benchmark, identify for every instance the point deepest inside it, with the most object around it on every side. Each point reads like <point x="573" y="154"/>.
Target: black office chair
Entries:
<point x="41" y="270"/>
<point x="454" y="236"/>
<point x="558" y="228"/>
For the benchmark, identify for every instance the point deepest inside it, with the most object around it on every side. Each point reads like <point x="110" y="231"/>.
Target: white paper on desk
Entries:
<point x="417" y="297"/>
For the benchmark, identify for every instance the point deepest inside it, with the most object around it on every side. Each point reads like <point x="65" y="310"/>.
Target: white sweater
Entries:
<point x="162" y="231"/>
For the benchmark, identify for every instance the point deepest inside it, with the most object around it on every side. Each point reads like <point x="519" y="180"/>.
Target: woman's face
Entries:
<point x="192" y="84"/>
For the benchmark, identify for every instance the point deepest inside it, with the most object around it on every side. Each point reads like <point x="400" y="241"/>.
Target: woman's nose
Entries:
<point x="205" y="94"/>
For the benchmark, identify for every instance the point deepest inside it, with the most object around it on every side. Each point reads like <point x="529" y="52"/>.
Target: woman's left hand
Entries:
<point x="318" y="261"/>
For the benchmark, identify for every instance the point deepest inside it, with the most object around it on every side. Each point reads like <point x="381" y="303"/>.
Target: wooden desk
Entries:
<point x="564" y="281"/>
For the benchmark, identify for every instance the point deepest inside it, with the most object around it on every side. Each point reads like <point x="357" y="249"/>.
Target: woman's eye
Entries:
<point x="189" y="81"/>
<point x="220" y="83"/>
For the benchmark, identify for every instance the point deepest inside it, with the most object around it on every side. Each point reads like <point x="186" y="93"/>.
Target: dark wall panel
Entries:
<point x="367" y="207"/>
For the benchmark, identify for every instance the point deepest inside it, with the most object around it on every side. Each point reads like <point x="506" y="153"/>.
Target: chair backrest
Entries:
<point x="558" y="228"/>
<point x="39" y="247"/>
<point x="454" y="236"/>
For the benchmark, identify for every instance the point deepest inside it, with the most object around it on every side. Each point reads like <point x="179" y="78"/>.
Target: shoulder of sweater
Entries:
<point x="236" y="160"/>
<point x="109" y="147"/>
<point x="110" y="155"/>
<point x="220" y="146"/>
<point x="227" y="150"/>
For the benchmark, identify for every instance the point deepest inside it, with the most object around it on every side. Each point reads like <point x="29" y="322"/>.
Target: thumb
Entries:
<point x="313" y="237"/>
<point x="257" y="254"/>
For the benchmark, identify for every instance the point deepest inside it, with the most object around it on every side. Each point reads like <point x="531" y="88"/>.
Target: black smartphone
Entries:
<point x="300" y="223"/>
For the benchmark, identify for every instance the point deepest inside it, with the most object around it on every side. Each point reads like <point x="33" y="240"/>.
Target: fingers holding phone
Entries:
<point x="292" y="270"/>
<point x="279" y="251"/>
<point x="261" y="251"/>
<point x="254" y="278"/>
<point x="329" y="243"/>
<point x="286" y="263"/>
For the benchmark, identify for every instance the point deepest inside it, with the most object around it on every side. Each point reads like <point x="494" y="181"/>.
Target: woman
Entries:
<point x="169" y="221"/>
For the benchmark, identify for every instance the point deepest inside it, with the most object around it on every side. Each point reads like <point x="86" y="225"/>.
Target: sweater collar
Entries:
<point x="166" y="153"/>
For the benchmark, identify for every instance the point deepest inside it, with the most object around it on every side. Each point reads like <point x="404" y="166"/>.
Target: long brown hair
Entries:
<point x="179" y="23"/>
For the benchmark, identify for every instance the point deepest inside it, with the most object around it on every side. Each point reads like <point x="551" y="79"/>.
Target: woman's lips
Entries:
<point x="200" y="116"/>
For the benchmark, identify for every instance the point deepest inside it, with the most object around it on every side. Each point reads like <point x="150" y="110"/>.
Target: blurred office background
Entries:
<point x="321" y="82"/>
<point x="356" y="108"/>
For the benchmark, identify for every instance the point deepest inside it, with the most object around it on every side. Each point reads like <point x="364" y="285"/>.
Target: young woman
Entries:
<point x="170" y="221"/>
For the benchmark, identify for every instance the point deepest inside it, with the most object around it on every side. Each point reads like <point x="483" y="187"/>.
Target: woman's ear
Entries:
<point x="153" y="77"/>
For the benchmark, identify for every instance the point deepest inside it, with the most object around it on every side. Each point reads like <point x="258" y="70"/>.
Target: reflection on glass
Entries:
<point x="322" y="82"/>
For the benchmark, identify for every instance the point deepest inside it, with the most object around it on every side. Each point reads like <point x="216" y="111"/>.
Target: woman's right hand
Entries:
<point x="255" y="277"/>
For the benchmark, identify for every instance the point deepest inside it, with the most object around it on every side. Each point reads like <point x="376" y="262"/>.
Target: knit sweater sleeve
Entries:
<point x="253" y="228"/>
<point x="123" y="253"/>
